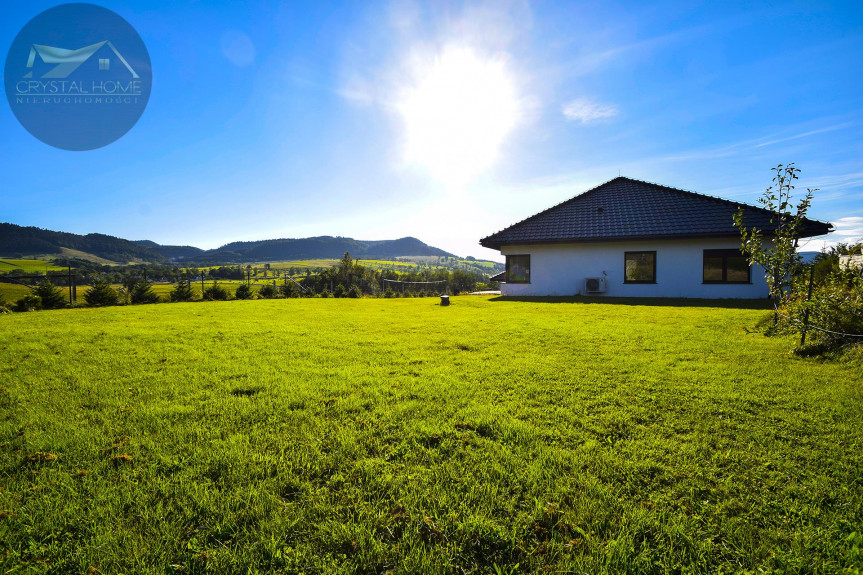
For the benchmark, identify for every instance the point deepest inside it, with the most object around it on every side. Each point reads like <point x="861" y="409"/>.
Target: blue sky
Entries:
<point x="449" y="120"/>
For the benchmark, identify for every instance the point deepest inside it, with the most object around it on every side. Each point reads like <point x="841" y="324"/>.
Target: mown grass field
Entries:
<point x="398" y="436"/>
<point x="29" y="266"/>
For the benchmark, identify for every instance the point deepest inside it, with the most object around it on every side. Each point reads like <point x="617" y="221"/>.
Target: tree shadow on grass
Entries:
<point x="763" y="303"/>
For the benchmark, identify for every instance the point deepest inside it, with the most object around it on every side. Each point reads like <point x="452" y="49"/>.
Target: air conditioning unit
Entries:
<point x="594" y="285"/>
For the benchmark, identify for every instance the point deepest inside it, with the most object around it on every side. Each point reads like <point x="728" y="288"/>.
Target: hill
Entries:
<point x="19" y="241"/>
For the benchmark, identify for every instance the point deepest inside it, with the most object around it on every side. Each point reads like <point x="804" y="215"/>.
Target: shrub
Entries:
<point x="29" y="302"/>
<point x="340" y="291"/>
<point x="142" y="292"/>
<point x="267" y="291"/>
<point x="52" y="297"/>
<point x="326" y="293"/>
<point x="290" y="289"/>
<point x="216" y="293"/>
<point x="389" y="293"/>
<point x="243" y="292"/>
<point x="182" y="291"/>
<point x="355" y="292"/>
<point x="836" y="307"/>
<point x="100" y="294"/>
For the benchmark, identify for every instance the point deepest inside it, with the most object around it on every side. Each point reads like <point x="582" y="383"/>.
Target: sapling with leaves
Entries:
<point x="777" y="252"/>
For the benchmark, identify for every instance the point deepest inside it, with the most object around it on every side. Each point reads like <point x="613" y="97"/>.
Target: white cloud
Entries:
<point x="587" y="112"/>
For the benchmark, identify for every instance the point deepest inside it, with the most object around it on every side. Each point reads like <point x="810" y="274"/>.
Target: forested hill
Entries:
<point x="31" y="241"/>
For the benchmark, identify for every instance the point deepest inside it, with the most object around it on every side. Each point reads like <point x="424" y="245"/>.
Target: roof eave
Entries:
<point x="496" y="245"/>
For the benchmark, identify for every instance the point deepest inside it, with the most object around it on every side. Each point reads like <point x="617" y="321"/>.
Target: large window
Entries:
<point x="639" y="267"/>
<point x="725" y="267"/>
<point x="518" y="269"/>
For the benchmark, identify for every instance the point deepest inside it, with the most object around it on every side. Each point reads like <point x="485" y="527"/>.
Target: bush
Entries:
<point x="243" y="292"/>
<point x="100" y="294"/>
<point x="216" y="293"/>
<point x="355" y="292"/>
<point x="29" y="302"/>
<point x="182" y="291"/>
<point x="267" y="291"/>
<point x="290" y="289"/>
<point x="389" y="293"/>
<point x="340" y="291"/>
<point x="52" y="297"/>
<point x="836" y="307"/>
<point x="326" y="293"/>
<point x="142" y="292"/>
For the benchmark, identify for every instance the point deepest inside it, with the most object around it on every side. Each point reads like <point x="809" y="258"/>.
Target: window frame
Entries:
<point x="639" y="252"/>
<point x="510" y="281"/>
<point x="725" y="253"/>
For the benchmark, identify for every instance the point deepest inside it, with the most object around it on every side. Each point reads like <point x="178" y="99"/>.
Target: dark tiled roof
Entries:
<point x="627" y="209"/>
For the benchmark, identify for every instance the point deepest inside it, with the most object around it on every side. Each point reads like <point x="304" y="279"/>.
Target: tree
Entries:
<point x="182" y="291"/>
<point x="290" y="289"/>
<point x="243" y="292"/>
<point x="101" y="293"/>
<point x="215" y="293"/>
<point x="777" y="253"/>
<point x="267" y="291"/>
<point x="52" y="297"/>
<point x="142" y="292"/>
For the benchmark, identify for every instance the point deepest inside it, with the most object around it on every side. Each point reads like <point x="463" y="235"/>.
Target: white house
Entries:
<point x="628" y="238"/>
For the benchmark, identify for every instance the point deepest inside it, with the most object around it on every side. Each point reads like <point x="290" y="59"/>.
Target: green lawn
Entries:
<point x="29" y="266"/>
<point x="378" y="435"/>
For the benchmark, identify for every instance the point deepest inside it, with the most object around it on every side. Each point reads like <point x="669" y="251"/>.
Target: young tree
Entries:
<point x="290" y="289"/>
<point x="267" y="291"/>
<point x="182" y="291"/>
<point x="52" y="297"/>
<point x="243" y="292"/>
<point x="101" y="293"/>
<point x="142" y="292"/>
<point x="215" y="292"/>
<point x="777" y="252"/>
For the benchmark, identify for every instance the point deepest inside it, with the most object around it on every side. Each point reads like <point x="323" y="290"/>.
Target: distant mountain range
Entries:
<point x="31" y="241"/>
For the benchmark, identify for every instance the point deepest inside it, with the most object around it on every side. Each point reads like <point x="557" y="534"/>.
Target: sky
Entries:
<point x="449" y="121"/>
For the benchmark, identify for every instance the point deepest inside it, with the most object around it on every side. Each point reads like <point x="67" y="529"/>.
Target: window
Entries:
<point x="518" y="269"/>
<point x="639" y="268"/>
<point x="725" y="267"/>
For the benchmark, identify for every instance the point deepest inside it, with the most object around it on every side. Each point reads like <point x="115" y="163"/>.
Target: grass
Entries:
<point x="29" y="266"/>
<point x="373" y="436"/>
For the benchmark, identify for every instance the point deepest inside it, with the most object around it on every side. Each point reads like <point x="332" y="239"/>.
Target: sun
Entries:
<point x="457" y="114"/>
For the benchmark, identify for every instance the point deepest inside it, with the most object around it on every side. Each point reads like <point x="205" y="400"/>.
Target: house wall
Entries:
<point x="562" y="269"/>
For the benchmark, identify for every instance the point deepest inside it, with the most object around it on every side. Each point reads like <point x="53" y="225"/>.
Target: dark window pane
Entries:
<point x="518" y="269"/>
<point x="725" y="266"/>
<point x="640" y="267"/>
<point x="712" y="268"/>
<point x="738" y="269"/>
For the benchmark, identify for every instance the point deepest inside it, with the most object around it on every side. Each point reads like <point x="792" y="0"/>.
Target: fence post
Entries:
<point x="806" y="311"/>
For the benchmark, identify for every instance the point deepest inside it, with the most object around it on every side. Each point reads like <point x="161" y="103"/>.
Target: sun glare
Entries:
<point x="457" y="115"/>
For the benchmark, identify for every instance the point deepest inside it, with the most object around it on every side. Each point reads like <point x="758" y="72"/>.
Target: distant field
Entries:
<point x="399" y="436"/>
<point x="312" y="264"/>
<point x="29" y="266"/>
